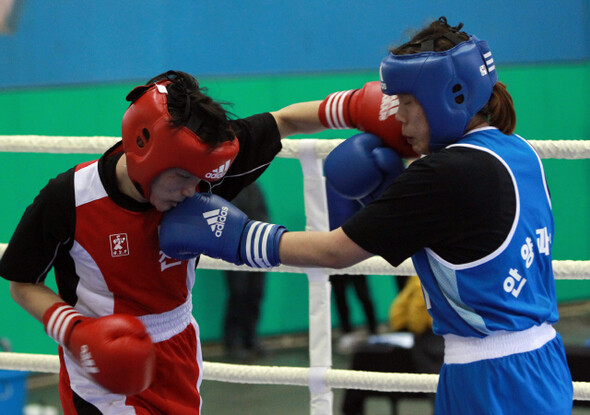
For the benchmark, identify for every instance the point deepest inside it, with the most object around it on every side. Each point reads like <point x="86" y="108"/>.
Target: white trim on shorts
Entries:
<point x="168" y="324"/>
<point x="498" y="344"/>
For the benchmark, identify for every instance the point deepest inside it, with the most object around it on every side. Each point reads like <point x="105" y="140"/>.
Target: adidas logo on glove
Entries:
<point x="86" y="360"/>
<point x="389" y="106"/>
<point x="185" y="233"/>
<point x="216" y="220"/>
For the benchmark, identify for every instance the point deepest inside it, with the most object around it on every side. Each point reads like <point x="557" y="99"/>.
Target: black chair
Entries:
<point x="578" y="359"/>
<point x="425" y="357"/>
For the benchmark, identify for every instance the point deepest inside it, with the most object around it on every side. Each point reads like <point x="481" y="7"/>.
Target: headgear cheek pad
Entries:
<point x="451" y="86"/>
<point x="152" y="144"/>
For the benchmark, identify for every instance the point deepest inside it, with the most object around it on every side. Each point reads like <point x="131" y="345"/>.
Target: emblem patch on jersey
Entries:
<point x="119" y="245"/>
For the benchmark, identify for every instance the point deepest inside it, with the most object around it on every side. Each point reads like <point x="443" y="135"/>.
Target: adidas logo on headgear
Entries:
<point x="489" y="66"/>
<point x="219" y="172"/>
<point x="216" y="219"/>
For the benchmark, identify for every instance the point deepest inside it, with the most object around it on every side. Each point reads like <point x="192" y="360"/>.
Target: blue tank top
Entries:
<point x="512" y="288"/>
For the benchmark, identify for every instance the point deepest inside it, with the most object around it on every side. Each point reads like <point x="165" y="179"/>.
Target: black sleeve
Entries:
<point x="459" y="203"/>
<point x="252" y="202"/>
<point x="260" y="141"/>
<point x="46" y="227"/>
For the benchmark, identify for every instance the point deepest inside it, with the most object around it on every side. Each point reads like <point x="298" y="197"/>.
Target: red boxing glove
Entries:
<point x="116" y="351"/>
<point x="367" y="109"/>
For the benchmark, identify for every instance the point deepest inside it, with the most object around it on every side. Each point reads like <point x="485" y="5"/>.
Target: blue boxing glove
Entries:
<point x="362" y="167"/>
<point x="340" y="209"/>
<point x="208" y="224"/>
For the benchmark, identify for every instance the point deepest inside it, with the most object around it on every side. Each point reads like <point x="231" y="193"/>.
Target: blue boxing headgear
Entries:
<point x="452" y="86"/>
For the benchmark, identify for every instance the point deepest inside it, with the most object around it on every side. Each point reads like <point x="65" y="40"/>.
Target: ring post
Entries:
<point x="320" y="327"/>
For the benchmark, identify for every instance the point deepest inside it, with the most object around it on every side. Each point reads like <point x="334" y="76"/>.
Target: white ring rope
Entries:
<point x="562" y="269"/>
<point x="276" y="375"/>
<point x="333" y="378"/>
<point x="556" y="149"/>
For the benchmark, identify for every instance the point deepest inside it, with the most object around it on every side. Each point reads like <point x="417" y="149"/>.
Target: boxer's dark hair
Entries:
<point x="189" y="105"/>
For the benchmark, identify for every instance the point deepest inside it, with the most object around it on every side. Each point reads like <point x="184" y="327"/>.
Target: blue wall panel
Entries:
<point x="79" y="41"/>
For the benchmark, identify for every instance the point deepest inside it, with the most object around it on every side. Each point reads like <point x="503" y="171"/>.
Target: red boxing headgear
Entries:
<point x="152" y="144"/>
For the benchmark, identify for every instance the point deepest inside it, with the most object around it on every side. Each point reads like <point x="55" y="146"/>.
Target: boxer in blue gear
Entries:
<point x="474" y="214"/>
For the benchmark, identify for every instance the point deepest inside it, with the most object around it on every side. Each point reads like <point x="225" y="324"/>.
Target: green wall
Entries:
<point x="550" y="102"/>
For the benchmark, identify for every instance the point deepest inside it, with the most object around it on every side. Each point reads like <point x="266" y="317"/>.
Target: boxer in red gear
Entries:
<point x="123" y="312"/>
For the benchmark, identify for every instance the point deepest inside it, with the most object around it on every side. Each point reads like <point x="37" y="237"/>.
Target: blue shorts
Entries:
<point x="536" y="382"/>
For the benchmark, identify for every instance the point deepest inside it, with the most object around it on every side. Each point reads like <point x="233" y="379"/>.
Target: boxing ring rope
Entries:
<point x="320" y="378"/>
<point x="274" y="375"/>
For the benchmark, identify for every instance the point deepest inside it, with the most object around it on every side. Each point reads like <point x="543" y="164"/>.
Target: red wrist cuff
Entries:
<point x="334" y="110"/>
<point x="59" y="320"/>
